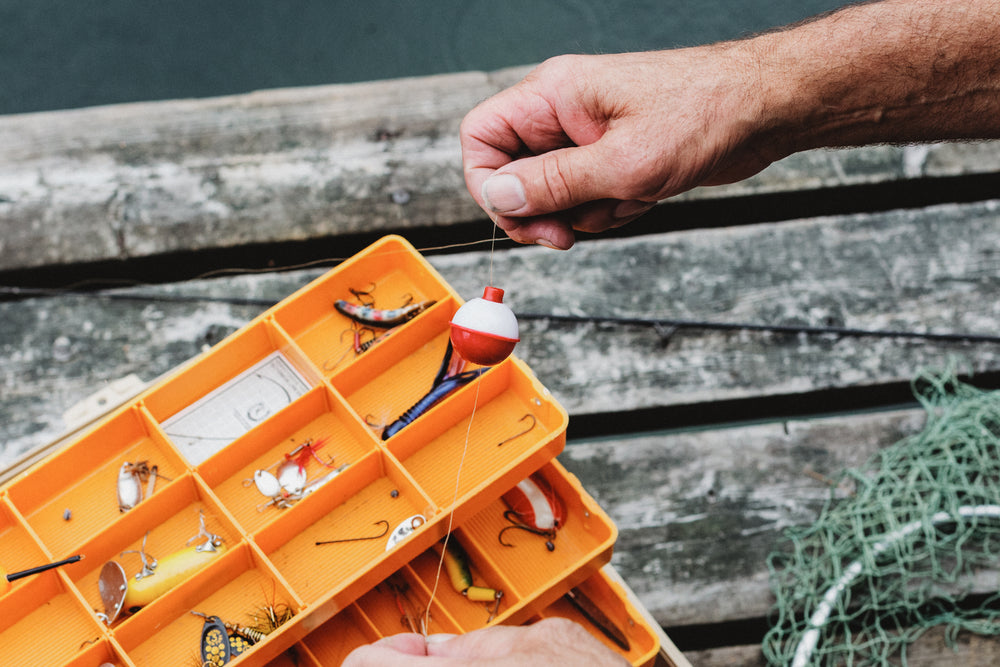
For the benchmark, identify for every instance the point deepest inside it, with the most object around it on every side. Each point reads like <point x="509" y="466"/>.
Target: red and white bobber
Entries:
<point x="484" y="331"/>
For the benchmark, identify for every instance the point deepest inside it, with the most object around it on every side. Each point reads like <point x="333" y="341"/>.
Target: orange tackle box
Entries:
<point x="179" y="482"/>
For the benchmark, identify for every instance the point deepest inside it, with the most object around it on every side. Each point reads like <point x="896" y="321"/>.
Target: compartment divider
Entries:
<point x="294" y="600"/>
<point x="288" y="346"/>
<point x="388" y="604"/>
<point x="159" y="436"/>
<point x="332" y="641"/>
<point x="406" y="484"/>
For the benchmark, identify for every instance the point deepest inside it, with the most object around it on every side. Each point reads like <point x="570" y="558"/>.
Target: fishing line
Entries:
<point x="667" y="324"/>
<point x="661" y="323"/>
<point x="79" y="286"/>
<point x="461" y="463"/>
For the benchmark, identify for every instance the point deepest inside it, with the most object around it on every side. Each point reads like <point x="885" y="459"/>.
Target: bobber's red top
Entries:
<point x="484" y="331"/>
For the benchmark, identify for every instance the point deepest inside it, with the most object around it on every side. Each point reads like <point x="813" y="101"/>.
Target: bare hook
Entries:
<point x="382" y="522"/>
<point x="522" y="432"/>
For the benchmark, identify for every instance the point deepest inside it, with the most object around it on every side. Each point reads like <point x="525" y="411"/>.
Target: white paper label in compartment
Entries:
<point x="227" y="412"/>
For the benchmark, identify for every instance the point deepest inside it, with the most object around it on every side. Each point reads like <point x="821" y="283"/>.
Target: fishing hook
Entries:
<point x="523" y="432"/>
<point x="385" y="529"/>
<point x="551" y="533"/>
<point x="364" y="297"/>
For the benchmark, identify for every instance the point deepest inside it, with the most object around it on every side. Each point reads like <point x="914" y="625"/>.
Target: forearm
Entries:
<point x="886" y="72"/>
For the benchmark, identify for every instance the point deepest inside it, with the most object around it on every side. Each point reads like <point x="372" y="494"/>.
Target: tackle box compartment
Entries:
<point x="301" y="390"/>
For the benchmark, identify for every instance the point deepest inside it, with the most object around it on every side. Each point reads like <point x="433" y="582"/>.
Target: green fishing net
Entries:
<point x="899" y="552"/>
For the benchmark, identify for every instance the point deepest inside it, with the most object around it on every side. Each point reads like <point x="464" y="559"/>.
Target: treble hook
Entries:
<point x="148" y="568"/>
<point x="385" y="529"/>
<point x="212" y="541"/>
<point x="524" y="432"/>
<point x="364" y="297"/>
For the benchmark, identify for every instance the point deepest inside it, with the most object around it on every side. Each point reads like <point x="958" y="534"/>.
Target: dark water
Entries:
<point x="73" y="53"/>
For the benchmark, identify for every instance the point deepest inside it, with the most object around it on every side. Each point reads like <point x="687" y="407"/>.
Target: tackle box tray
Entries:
<point x="300" y="379"/>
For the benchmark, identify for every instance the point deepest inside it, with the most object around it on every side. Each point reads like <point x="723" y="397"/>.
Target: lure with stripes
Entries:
<point x="534" y="507"/>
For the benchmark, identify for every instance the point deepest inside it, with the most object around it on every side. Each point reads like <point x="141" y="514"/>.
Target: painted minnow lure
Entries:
<point x="456" y="563"/>
<point x="383" y="319"/>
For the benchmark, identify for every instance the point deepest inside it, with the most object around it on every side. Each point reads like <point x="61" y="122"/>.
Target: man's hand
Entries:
<point x="590" y="142"/>
<point x="552" y="641"/>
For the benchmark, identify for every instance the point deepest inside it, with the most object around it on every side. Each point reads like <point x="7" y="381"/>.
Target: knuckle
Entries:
<point x="557" y="179"/>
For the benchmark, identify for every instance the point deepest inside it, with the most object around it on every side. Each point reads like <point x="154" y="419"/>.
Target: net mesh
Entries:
<point x="906" y="550"/>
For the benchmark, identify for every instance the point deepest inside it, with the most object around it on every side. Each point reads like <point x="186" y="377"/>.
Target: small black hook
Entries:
<point x="551" y="534"/>
<point x="385" y="529"/>
<point x="523" y="432"/>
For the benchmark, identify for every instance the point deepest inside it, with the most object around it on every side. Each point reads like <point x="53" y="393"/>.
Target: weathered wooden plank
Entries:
<point x="698" y="512"/>
<point x="930" y="269"/>
<point x="135" y="180"/>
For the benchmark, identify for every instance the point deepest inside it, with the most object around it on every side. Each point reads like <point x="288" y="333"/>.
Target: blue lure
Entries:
<point x="442" y="386"/>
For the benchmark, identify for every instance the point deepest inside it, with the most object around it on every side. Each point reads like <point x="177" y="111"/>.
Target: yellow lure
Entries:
<point x="170" y="571"/>
<point x="456" y="563"/>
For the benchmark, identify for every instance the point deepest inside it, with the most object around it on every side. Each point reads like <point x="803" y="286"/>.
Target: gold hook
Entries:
<point x="523" y="432"/>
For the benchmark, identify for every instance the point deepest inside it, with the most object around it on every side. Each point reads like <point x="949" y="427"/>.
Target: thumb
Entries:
<point x="555" y="181"/>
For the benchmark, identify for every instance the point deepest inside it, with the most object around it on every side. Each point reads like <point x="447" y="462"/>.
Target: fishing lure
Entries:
<point x="218" y="645"/>
<point x="430" y="399"/>
<point x="449" y="378"/>
<point x="131" y="477"/>
<point x="383" y="319"/>
<point x="456" y="563"/>
<point x="359" y="345"/>
<point x="156" y="577"/>
<point x="410" y="617"/>
<point x="404" y="530"/>
<point x="253" y="635"/>
<point x="272" y="616"/>
<point x="290" y="482"/>
<point x="534" y="507"/>
<point x="593" y="613"/>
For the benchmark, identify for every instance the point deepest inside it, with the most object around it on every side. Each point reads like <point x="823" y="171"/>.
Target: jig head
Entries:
<point x="535" y="508"/>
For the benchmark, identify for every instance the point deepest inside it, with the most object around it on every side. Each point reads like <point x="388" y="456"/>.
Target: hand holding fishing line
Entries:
<point x="589" y="143"/>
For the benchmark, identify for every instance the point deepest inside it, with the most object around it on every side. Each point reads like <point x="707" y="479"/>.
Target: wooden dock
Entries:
<point x="703" y="442"/>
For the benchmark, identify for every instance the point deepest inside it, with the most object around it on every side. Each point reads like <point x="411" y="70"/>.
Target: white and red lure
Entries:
<point x="534" y="507"/>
